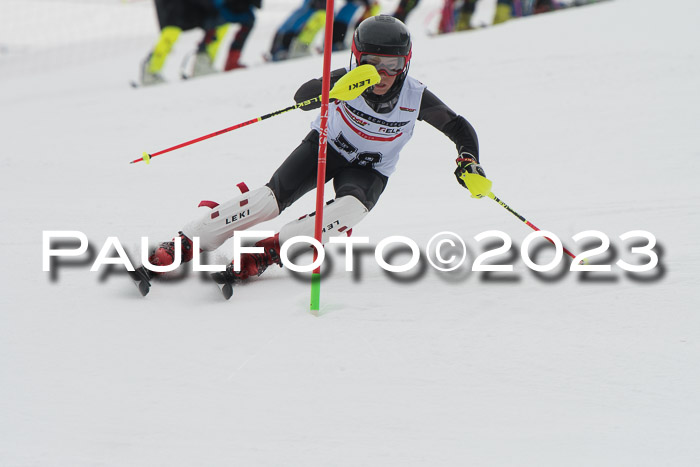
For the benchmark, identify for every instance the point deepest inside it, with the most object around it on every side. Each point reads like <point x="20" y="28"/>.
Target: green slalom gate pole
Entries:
<point x="322" y="145"/>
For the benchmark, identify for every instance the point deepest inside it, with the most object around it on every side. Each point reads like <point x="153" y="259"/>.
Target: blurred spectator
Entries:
<point x="404" y="8"/>
<point x="296" y="35"/>
<point x="457" y="15"/>
<point x="215" y="17"/>
<point x="532" y="7"/>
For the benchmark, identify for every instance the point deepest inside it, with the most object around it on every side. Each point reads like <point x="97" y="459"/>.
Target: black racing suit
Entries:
<point x="297" y="174"/>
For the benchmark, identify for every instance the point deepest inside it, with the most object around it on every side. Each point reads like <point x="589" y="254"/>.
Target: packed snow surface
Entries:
<point x="587" y="120"/>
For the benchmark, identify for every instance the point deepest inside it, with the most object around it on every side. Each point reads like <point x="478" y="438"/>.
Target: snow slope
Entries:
<point x="587" y="119"/>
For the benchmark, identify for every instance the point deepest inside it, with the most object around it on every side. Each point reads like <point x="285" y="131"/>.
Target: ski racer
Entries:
<point x="295" y="36"/>
<point x="365" y="137"/>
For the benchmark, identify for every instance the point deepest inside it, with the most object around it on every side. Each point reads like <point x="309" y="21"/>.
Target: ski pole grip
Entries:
<point x="355" y="82"/>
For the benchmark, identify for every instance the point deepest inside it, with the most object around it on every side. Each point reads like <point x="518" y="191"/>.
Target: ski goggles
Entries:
<point x="391" y="65"/>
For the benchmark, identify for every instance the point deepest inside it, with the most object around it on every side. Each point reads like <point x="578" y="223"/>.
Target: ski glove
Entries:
<point x="472" y="176"/>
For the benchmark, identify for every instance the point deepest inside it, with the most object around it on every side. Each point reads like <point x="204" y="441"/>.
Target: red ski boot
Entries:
<point x="164" y="255"/>
<point x="252" y="264"/>
<point x="233" y="60"/>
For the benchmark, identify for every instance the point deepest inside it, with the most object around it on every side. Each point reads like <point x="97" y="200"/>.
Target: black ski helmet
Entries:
<point x="383" y="35"/>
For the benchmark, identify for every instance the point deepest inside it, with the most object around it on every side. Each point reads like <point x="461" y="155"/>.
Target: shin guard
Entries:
<point x="339" y="216"/>
<point x="239" y="213"/>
